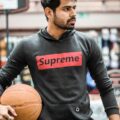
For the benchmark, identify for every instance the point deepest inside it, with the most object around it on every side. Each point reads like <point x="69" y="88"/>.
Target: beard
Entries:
<point x="62" y="25"/>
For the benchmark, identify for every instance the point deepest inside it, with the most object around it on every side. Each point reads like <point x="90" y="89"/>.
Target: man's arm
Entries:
<point x="13" y="67"/>
<point x="114" y="117"/>
<point x="15" y="63"/>
<point x="104" y="84"/>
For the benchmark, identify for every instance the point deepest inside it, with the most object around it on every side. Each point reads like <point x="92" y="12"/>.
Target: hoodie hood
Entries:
<point x="43" y="32"/>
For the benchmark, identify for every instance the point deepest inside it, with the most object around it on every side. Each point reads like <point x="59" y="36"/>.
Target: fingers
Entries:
<point x="11" y="110"/>
<point x="8" y="117"/>
<point x="2" y="118"/>
<point x="4" y="113"/>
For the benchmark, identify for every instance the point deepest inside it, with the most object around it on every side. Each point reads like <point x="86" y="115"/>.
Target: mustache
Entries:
<point x="72" y="18"/>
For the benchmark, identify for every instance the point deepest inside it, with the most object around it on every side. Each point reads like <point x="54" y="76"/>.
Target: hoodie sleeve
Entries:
<point x="104" y="84"/>
<point x="15" y="63"/>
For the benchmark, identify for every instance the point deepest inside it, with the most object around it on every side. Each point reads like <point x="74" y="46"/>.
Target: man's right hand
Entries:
<point x="7" y="112"/>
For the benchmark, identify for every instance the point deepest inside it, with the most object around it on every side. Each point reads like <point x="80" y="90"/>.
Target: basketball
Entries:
<point x="24" y="99"/>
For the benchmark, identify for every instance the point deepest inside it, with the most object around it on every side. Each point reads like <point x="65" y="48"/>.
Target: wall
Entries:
<point x="37" y="20"/>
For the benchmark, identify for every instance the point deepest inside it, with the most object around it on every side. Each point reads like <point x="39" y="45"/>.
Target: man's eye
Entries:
<point x="66" y="9"/>
<point x="74" y="7"/>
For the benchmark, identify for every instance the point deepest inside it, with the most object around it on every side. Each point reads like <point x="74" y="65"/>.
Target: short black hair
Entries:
<point x="53" y="4"/>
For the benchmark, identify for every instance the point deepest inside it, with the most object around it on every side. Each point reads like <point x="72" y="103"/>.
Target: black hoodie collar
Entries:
<point x="43" y="32"/>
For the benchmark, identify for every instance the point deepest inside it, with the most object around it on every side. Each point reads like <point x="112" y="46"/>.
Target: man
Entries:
<point x="58" y="58"/>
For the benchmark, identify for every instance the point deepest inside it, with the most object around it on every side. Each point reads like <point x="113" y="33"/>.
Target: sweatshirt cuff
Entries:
<point x="112" y="111"/>
<point x="1" y="90"/>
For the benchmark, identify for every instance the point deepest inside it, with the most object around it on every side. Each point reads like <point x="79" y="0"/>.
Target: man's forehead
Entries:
<point x="68" y="2"/>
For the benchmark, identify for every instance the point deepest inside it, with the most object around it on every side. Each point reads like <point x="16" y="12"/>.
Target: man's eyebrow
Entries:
<point x="67" y="6"/>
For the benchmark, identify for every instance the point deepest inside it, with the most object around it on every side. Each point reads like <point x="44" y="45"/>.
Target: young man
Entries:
<point x="58" y="58"/>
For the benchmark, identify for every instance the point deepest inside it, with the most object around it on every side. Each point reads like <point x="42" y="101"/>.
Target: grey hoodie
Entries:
<point x="58" y="69"/>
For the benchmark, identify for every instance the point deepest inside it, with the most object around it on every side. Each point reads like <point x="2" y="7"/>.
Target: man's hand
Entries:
<point x="114" y="117"/>
<point x="4" y="112"/>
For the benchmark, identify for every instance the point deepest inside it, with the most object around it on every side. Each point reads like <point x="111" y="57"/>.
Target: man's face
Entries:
<point x="64" y="17"/>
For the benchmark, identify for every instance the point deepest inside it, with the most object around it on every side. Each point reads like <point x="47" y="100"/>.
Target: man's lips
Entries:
<point x="72" y="21"/>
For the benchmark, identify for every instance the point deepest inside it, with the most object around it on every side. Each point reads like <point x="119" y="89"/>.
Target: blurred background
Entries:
<point x="98" y="18"/>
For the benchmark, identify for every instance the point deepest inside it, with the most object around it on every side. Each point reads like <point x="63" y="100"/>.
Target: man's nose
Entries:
<point x="73" y="12"/>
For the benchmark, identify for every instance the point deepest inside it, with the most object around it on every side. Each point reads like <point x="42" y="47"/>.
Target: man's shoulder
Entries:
<point x="27" y="42"/>
<point x="31" y="38"/>
<point x="83" y="36"/>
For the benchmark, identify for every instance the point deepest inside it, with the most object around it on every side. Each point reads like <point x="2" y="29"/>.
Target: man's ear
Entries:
<point x="48" y="12"/>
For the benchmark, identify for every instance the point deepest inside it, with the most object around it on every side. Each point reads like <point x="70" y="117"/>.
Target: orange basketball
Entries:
<point x="24" y="99"/>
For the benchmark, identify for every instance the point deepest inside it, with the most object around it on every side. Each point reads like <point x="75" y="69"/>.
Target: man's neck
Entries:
<point x="55" y="32"/>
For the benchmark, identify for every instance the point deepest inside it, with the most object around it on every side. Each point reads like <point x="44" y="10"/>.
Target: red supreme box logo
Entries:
<point x="59" y="60"/>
